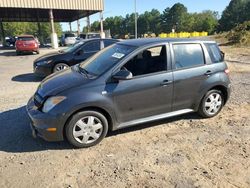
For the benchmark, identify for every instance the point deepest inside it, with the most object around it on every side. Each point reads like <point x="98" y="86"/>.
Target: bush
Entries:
<point x="240" y="34"/>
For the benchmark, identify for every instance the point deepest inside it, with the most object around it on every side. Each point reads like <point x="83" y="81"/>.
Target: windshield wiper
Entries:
<point x="83" y="71"/>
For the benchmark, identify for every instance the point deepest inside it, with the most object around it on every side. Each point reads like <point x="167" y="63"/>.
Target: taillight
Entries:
<point x="227" y="71"/>
<point x="18" y="43"/>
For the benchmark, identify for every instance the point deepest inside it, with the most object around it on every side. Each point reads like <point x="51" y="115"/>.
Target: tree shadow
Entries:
<point x="227" y="44"/>
<point x="8" y="53"/>
<point x="30" y="77"/>
<point x="16" y="137"/>
<point x="11" y="53"/>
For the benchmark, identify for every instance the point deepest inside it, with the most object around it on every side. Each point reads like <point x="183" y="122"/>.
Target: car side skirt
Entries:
<point x="154" y="118"/>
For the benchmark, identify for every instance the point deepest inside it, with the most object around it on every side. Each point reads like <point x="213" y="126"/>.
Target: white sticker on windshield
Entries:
<point x="118" y="55"/>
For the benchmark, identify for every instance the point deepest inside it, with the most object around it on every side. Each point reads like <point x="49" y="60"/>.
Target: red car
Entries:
<point x="27" y="43"/>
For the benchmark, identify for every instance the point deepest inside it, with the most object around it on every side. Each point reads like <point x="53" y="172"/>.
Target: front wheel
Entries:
<point x="59" y="67"/>
<point x="211" y="104"/>
<point x="86" y="129"/>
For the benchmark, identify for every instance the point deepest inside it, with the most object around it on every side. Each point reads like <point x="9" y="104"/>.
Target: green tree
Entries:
<point x="235" y="13"/>
<point x="21" y="28"/>
<point x="205" y="21"/>
<point x="173" y="17"/>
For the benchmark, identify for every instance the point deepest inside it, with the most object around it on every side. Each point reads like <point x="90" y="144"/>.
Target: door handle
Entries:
<point x="166" y="82"/>
<point x="208" y="73"/>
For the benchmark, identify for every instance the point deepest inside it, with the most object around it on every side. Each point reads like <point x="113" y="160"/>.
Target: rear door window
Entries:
<point x="188" y="55"/>
<point x="25" y="38"/>
<point x="214" y="52"/>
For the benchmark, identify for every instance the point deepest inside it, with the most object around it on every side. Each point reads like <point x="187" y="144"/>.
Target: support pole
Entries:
<point x="88" y="23"/>
<point x="136" y="27"/>
<point x="2" y="33"/>
<point x="40" y="37"/>
<point x="78" y="27"/>
<point x="70" y="27"/>
<point x="101" y="24"/>
<point x="54" y="39"/>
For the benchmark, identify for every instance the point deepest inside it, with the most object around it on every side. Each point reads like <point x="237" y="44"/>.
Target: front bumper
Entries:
<point x="41" y="122"/>
<point x="27" y="49"/>
<point x="42" y="71"/>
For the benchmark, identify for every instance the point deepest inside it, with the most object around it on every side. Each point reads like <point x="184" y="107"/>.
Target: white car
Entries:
<point x="68" y="39"/>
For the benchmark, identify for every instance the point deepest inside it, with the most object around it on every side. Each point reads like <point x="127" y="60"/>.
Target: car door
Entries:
<point x="87" y="50"/>
<point x="190" y="71"/>
<point x="149" y="93"/>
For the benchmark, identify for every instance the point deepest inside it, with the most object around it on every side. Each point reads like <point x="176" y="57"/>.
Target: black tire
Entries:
<point x="75" y="118"/>
<point x="202" y="108"/>
<point x="55" y="68"/>
<point x="18" y="53"/>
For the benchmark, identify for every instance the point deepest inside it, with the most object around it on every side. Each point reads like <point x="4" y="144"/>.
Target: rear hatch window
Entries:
<point x="25" y="38"/>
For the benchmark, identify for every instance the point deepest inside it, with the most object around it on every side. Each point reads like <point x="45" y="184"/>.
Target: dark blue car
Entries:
<point x="73" y="55"/>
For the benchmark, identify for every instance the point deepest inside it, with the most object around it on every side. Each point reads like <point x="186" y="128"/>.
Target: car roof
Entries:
<point x="148" y="41"/>
<point x="25" y="36"/>
<point x="87" y="40"/>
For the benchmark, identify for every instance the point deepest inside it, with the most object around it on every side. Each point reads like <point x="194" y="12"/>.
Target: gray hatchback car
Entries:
<point x="130" y="83"/>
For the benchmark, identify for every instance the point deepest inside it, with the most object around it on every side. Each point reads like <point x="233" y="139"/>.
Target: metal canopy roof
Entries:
<point x="38" y="10"/>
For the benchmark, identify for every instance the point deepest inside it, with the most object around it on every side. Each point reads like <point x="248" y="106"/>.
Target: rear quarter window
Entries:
<point x="109" y="42"/>
<point x="214" y="52"/>
<point x="188" y="55"/>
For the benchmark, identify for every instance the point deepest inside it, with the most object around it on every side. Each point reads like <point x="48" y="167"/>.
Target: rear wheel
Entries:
<point x="211" y="104"/>
<point x="59" y="67"/>
<point x="86" y="129"/>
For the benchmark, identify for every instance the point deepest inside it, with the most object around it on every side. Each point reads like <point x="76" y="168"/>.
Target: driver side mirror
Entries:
<point x="123" y="75"/>
<point x="80" y="52"/>
<point x="222" y="55"/>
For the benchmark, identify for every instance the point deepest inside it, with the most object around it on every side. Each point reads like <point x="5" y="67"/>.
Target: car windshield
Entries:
<point x="72" y="48"/>
<point x="25" y="38"/>
<point x="107" y="58"/>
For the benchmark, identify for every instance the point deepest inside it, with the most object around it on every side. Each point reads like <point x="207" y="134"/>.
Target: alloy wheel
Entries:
<point x="60" y="67"/>
<point x="213" y="103"/>
<point x="87" y="130"/>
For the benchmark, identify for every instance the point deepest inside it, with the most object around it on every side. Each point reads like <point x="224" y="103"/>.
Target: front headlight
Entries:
<point x="51" y="102"/>
<point x="43" y="63"/>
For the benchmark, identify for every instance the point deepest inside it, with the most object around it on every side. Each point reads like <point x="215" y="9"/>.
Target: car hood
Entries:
<point x="49" y="56"/>
<point x="61" y="81"/>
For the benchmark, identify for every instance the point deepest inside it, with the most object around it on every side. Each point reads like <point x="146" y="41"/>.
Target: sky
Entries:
<point x="123" y="7"/>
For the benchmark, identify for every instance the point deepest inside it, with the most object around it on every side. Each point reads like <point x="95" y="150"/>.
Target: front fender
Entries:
<point x="80" y="98"/>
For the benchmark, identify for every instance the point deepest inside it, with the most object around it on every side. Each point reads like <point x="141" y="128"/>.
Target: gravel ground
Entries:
<point x="179" y="152"/>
